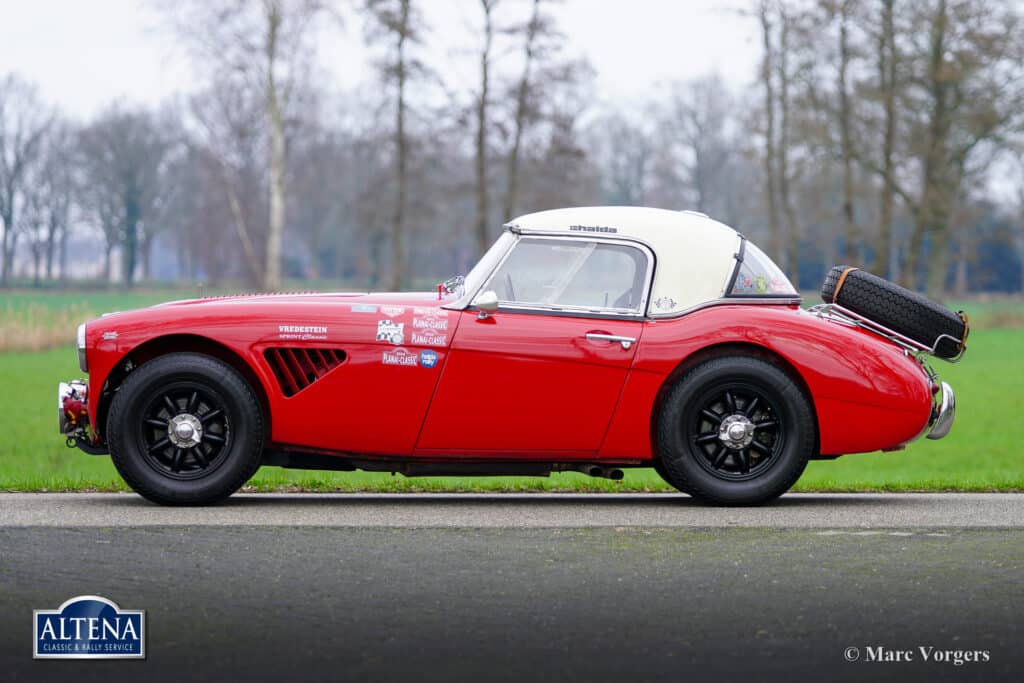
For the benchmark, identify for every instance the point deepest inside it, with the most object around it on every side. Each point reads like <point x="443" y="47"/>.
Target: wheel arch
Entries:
<point x="183" y="343"/>
<point x="721" y="350"/>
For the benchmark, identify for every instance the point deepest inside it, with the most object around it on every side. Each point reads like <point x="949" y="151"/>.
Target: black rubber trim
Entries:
<point x="739" y="264"/>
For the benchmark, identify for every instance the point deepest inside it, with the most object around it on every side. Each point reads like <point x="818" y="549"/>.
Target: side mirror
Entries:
<point x="486" y="303"/>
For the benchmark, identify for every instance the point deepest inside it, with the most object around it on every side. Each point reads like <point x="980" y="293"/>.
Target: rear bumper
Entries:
<point x="943" y="412"/>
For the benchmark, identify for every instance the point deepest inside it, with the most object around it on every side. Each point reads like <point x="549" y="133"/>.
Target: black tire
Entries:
<point x="224" y="420"/>
<point x="901" y="310"/>
<point x="696" y="460"/>
<point x="659" y="467"/>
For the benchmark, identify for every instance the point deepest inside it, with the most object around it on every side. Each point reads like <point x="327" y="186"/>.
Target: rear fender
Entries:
<point x="867" y="393"/>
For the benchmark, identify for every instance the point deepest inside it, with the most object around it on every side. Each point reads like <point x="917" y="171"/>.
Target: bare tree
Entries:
<point x="232" y="140"/>
<point x="786" y="173"/>
<point x="24" y="123"/>
<point x="627" y="156"/>
<point x="888" y="58"/>
<point x="696" y="130"/>
<point x="122" y="153"/>
<point x="266" y="46"/>
<point x="50" y="194"/>
<point x="400" y="23"/>
<point x="60" y="188"/>
<point x="482" y="109"/>
<point x="46" y="201"/>
<point x="771" y="181"/>
<point x="963" y="90"/>
<point x="541" y="45"/>
<point x="851" y="234"/>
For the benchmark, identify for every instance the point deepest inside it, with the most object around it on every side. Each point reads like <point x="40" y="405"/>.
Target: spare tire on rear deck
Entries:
<point x="901" y="310"/>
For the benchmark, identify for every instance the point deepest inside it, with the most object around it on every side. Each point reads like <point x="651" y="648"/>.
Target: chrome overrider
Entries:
<point x="943" y="412"/>
<point x="70" y="395"/>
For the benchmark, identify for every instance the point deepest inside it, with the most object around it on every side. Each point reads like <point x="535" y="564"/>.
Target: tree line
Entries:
<point x="881" y="133"/>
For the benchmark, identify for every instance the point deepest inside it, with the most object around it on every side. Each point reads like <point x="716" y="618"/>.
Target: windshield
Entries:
<point x="571" y="273"/>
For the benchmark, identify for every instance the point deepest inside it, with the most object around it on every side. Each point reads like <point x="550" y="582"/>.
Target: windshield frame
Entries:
<point x="466" y="300"/>
<point x="480" y="274"/>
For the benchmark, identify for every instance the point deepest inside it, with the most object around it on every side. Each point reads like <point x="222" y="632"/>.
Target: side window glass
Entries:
<point x="572" y="274"/>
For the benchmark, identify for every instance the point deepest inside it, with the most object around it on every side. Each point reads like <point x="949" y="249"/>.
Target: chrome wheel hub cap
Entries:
<point x="736" y="432"/>
<point x="185" y="430"/>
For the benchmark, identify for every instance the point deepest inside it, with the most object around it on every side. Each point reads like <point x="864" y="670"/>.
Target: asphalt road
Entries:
<point x="580" y="588"/>
<point x="820" y="511"/>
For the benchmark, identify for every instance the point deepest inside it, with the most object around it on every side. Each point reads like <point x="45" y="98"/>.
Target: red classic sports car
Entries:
<point x="589" y="339"/>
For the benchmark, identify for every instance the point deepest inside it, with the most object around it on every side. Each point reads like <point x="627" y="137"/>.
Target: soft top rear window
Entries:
<point x="757" y="275"/>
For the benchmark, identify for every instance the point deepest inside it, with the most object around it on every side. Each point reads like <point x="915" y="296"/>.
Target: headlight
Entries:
<point x="82" y="362"/>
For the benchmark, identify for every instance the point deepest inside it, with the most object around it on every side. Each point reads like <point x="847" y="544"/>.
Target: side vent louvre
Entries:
<point x="296" y="369"/>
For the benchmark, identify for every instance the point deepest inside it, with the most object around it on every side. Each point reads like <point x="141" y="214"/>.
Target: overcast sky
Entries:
<point x="85" y="53"/>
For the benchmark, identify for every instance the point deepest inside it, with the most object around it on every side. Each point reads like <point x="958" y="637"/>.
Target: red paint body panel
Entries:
<point x="517" y="385"/>
<point x="519" y="382"/>
<point x="868" y="395"/>
<point x="361" y="406"/>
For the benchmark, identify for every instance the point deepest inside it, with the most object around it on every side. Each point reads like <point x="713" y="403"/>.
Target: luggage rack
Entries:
<point x="916" y="348"/>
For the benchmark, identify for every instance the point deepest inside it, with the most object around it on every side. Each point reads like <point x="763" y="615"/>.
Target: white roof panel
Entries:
<point x="695" y="254"/>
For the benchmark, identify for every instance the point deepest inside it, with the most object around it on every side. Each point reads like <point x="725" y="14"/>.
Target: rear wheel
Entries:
<point x="735" y="431"/>
<point x="185" y="429"/>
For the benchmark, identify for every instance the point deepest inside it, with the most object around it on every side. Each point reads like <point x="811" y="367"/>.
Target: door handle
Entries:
<point x="600" y="336"/>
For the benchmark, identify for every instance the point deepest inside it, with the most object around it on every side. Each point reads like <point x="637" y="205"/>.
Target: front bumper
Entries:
<point x="73" y="416"/>
<point x="72" y="406"/>
<point x="943" y="412"/>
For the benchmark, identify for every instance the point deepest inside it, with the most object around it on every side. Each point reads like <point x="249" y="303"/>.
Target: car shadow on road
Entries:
<point x="602" y="500"/>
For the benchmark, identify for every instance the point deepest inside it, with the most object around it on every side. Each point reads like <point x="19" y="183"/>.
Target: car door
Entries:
<point x="544" y="372"/>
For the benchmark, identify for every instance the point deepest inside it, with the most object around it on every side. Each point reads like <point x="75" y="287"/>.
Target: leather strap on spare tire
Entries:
<point x="841" y="282"/>
<point x="967" y="328"/>
<point x="912" y="315"/>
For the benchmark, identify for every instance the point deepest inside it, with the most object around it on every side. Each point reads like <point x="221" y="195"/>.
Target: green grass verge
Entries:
<point x="982" y="453"/>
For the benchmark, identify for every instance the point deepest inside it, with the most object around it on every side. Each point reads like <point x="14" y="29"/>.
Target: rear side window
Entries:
<point x="759" y="276"/>
<point x="572" y="274"/>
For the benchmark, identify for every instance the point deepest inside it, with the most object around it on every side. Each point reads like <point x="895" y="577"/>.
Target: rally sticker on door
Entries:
<point x="391" y="332"/>
<point x="400" y="357"/>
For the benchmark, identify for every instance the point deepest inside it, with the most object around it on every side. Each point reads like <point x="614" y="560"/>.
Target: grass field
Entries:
<point x="982" y="453"/>
<point x="36" y="320"/>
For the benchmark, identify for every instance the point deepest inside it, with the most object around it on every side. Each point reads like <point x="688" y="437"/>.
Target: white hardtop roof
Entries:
<point x="695" y="254"/>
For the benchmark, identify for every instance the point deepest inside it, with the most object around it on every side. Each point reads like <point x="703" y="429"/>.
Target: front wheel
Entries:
<point x="735" y="431"/>
<point x="185" y="429"/>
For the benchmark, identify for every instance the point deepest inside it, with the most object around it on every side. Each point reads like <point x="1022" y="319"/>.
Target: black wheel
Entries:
<point x="901" y="310"/>
<point x="185" y="429"/>
<point x="735" y="431"/>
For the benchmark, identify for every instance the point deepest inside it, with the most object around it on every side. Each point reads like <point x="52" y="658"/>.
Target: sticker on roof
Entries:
<point x="592" y="228"/>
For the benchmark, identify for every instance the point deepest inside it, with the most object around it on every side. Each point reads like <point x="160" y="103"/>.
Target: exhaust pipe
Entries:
<point x="613" y="473"/>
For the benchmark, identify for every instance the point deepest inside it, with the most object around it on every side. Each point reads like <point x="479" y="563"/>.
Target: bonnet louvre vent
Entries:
<point x="296" y="369"/>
